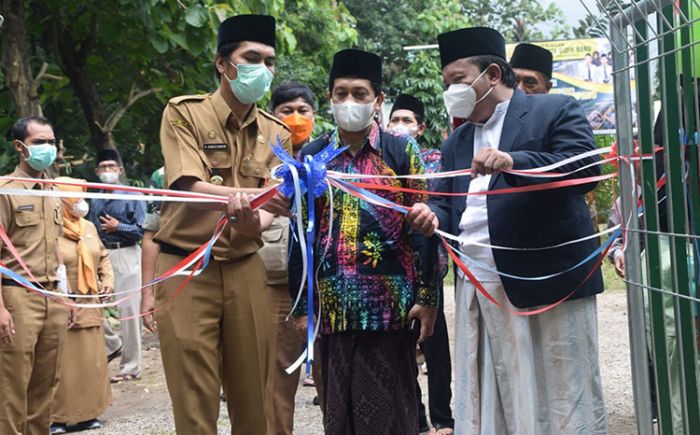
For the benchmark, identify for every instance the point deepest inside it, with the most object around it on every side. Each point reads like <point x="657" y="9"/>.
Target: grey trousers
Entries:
<point x="126" y="263"/>
<point x="518" y="375"/>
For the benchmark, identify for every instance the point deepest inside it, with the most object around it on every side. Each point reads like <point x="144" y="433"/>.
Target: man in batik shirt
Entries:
<point x="370" y="289"/>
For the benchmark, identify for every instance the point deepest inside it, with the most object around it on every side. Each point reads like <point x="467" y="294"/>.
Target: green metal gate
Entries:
<point x="654" y="46"/>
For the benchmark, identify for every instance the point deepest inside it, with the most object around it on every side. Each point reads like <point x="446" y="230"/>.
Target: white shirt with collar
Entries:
<point x="474" y="223"/>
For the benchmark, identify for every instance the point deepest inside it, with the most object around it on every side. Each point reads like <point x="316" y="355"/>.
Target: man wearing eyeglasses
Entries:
<point x="120" y="226"/>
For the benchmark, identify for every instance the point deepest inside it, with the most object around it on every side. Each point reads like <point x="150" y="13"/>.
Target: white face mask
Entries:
<point x="460" y="99"/>
<point x="80" y="209"/>
<point x="351" y="116"/>
<point x="404" y="130"/>
<point x="109" y="177"/>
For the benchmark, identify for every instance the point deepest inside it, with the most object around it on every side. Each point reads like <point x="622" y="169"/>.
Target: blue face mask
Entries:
<point x="251" y="83"/>
<point x="41" y="156"/>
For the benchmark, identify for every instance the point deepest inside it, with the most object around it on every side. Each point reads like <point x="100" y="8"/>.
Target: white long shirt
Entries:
<point x="474" y="223"/>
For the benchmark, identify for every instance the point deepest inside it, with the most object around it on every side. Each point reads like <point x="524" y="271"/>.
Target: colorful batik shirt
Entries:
<point x="367" y="279"/>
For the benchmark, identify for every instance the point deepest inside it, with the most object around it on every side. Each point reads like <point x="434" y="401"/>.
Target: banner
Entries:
<point x="583" y="69"/>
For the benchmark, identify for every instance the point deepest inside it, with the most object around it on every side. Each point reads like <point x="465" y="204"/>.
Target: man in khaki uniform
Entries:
<point x="32" y="327"/>
<point x="219" y="143"/>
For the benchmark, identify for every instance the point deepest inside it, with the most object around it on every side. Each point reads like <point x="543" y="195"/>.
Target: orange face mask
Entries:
<point x="301" y="127"/>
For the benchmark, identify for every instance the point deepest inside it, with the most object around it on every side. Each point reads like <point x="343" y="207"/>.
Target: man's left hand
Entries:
<point x="422" y="219"/>
<point x="490" y="160"/>
<point x="109" y="224"/>
<point x="427" y="317"/>
<point x="278" y="205"/>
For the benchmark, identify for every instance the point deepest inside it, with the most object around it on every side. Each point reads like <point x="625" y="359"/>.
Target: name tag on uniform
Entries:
<point x="215" y="146"/>
<point x="28" y="207"/>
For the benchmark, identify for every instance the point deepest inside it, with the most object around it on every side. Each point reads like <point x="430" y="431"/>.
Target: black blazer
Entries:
<point x="538" y="130"/>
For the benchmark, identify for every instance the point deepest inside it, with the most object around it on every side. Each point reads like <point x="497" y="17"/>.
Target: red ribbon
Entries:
<point x="532" y="188"/>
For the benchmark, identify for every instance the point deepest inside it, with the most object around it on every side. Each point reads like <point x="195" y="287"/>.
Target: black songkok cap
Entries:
<point x="356" y="63"/>
<point x="473" y="41"/>
<point x="108" y="154"/>
<point x="532" y="57"/>
<point x="256" y="28"/>
<point x="408" y="102"/>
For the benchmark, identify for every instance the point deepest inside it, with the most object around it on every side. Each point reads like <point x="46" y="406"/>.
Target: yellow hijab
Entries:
<point x="74" y="229"/>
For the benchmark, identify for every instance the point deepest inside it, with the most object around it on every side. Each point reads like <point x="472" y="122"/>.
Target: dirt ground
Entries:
<point x="143" y="406"/>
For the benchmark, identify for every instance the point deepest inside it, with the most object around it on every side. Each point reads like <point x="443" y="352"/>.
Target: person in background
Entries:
<point x="532" y="66"/>
<point x="119" y="224"/>
<point x="149" y="253"/>
<point x="407" y="117"/>
<point x="32" y="327"/>
<point x="83" y="391"/>
<point x="294" y="104"/>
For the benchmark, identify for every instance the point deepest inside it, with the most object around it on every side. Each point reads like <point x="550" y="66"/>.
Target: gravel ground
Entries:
<point x="143" y="406"/>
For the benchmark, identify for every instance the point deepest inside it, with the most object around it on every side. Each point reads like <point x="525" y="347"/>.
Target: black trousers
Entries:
<point x="436" y="350"/>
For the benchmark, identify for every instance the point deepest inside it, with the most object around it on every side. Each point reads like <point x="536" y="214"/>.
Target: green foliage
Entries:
<point x="418" y="79"/>
<point x="604" y="192"/>
<point x="164" y="45"/>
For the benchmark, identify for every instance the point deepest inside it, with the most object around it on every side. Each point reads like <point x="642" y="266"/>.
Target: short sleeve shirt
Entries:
<point x="201" y="138"/>
<point x="33" y="225"/>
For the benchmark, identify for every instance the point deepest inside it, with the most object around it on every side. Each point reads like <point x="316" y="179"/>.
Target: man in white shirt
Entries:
<point x="515" y="373"/>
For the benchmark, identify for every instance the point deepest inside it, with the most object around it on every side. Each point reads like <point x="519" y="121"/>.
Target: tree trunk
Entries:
<point x="15" y="60"/>
<point x="93" y="109"/>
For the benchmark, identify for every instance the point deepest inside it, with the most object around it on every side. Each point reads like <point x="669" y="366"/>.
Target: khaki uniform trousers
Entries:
<point x="287" y="345"/>
<point x="30" y="366"/>
<point x="219" y="317"/>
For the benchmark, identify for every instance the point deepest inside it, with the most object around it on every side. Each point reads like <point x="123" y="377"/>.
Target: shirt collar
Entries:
<point x="224" y="112"/>
<point x="498" y="112"/>
<point x="19" y="173"/>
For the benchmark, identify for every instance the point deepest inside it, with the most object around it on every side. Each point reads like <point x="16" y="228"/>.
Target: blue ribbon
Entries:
<point x="312" y="179"/>
<point x="312" y="172"/>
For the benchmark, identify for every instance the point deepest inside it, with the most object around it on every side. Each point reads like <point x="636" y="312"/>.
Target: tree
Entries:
<point x="385" y="27"/>
<point x="19" y="78"/>
<point x="115" y="64"/>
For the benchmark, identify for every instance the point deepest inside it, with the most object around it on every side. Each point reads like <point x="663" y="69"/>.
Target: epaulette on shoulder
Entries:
<point x="272" y="117"/>
<point x="182" y="98"/>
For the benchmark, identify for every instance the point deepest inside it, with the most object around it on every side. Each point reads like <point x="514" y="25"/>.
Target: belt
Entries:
<point x="13" y="283"/>
<point x="118" y="245"/>
<point x="167" y="248"/>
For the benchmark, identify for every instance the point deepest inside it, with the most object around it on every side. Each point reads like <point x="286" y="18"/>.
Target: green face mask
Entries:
<point x="41" y="156"/>
<point x="252" y="82"/>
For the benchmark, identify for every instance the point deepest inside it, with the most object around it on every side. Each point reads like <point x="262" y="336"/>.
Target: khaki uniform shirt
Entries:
<point x="33" y="224"/>
<point x="201" y="138"/>
<point x="88" y="317"/>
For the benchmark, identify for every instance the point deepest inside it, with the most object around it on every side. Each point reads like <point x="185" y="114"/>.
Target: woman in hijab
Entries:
<point x="83" y="389"/>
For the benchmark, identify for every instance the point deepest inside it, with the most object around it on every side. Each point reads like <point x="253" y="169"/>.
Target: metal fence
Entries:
<point x="655" y="60"/>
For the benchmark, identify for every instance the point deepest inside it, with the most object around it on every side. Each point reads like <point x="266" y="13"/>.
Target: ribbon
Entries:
<point x="298" y="178"/>
<point x="508" y="190"/>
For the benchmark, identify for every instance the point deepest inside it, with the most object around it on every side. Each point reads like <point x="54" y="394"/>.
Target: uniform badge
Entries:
<point x="217" y="179"/>
<point x="211" y="134"/>
<point x="28" y="207"/>
<point x="261" y="139"/>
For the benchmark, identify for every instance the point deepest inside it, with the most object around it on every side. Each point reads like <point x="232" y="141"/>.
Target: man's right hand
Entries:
<point x="148" y="305"/>
<point x="7" y="326"/>
<point x="620" y="265"/>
